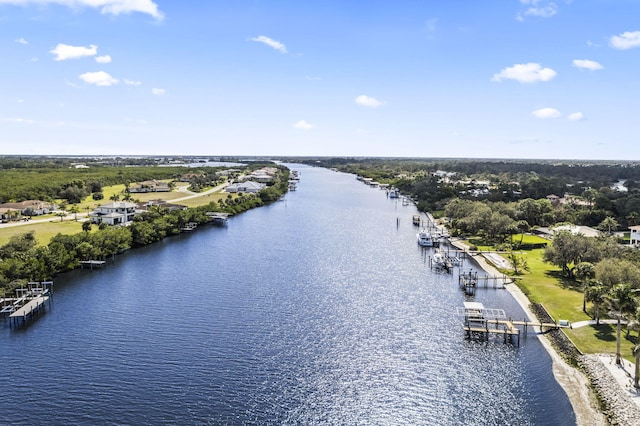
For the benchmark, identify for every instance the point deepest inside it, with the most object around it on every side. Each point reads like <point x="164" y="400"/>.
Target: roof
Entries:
<point x="120" y="205"/>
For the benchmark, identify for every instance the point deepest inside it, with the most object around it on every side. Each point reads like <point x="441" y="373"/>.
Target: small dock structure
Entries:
<point x="470" y="281"/>
<point x="189" y="226"/>
<point x="92" y="264"/>
<point x="480" y="323"/>
<point x="218" y="218"/>
<point x="27" y="301"/>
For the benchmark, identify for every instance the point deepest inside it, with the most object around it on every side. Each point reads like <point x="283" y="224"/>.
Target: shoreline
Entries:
<point x="574" y="382"/>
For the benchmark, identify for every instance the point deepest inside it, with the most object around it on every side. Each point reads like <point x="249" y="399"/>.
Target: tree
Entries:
<point x="595" y="293"/>
<point x="636" y="377"/>
<point x="86" y="226"/>
<point x="608" y="224"/>
<point x="584" y="271"/>
<point x="75" y="209"/>
<point x="633" y="218"/>
<point x="610" y="272"/>
<point x="621" y="302"/>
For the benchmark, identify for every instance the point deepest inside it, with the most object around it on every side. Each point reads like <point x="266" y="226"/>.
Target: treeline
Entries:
<point x="22" y="260"/>
<point x="511" y="181"/>
<point x="48" y="184"/>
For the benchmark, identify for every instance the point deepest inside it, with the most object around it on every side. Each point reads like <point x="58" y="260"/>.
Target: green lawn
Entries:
<point x="43" y="231"/>
<point x="563" y="299"/>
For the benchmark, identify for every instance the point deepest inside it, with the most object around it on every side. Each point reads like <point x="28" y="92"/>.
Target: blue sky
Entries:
<point x="405" y="78"/>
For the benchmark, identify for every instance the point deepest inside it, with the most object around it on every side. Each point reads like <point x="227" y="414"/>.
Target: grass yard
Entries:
<point x="43" y="231"/>
<point x="563" y="298"/>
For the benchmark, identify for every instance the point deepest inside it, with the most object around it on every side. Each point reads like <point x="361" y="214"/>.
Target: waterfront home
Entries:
<point x="248" y="186"/>
<point x="116" y="213"/>
<point x="634" y="235"/>
<point x="574" y="229"/>
<point x="162" y="204"/>
<point x="29" y="207"/>
<point x="150" y="186"/>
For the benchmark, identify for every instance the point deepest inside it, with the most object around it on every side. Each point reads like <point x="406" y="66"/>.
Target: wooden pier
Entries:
<point x="218" y="218"/>
<point x="481" y="323"/>
<point x="27" y="301"/>
<point x="92" y="263"/>
<point x="470" y="281"/>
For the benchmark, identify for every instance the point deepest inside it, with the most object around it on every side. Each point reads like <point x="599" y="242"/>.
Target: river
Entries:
<point x="317" y="309"/>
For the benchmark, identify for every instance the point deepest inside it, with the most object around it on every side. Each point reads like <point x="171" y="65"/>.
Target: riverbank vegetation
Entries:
<point x="500" y="205"/>
<point x="67" y="243"/>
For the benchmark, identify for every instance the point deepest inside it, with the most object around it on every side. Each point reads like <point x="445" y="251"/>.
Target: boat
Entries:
<point x="405" y="201"/>
<point x="416" y="219"/>
<point x="424" y="238"/>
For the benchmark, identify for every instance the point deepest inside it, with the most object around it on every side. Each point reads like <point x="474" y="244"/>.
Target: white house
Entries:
<point x="117" y="213"/>
<point x="248" y="186"/>
<point x="150" y="186"/>
<point x="634" y="235"/>
<point x="30" y="207"/>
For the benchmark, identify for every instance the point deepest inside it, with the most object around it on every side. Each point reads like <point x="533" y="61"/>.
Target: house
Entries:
<point x="30" y="207"/>
<point x="634" y="235"/>
<point x="116" y="213"/>
<point x="248" y="186"/>
<point x="150" y="186"/>
<point x="146" y="206"/>
<point x="574" y="229"/>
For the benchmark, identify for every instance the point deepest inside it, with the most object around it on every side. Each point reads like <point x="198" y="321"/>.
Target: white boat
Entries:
<point x="438" y="259"/>
<point x="424" y="238"/>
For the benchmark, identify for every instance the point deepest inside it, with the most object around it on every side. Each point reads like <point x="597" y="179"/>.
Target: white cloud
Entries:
<point x="303" y="125"/>
<point x="75" y="86"/>
<point x="65" y="51"/>
<point x="103" y="59"/>
<point x="368" y="101"/>
<point x="576" y="116"/>
<point x="626" y="40"/>
<point x="537" y="8"/>
<point x="21" y="41"/>
<point x="587" y="64"/>
<point x="525" y="73"/>
<point x="112" y="7"/>
<point x="158" y="92"/>
<point x="99" y="78"/>
<point x="547" y="113"/>
<point x="132" y="82"/>
<point x="19" y="120"/>
<point x="271" y="43"/>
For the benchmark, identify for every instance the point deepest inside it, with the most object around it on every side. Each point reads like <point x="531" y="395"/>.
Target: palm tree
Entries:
<point x="621" y="301"/>
<point x="608" y="223"/>
<point x="636" y="377"/>
<point x="595" y="293"/>
<point x="584" y="272"/>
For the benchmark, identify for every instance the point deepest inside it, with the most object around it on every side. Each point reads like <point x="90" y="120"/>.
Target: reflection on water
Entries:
<point x="320" y="308"/>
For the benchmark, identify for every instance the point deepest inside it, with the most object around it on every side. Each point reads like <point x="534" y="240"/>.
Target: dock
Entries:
<point x="481" y="323"/>
<point x="218" y="218"/>
<point x="92" y="263"/>
<point x="470" y="281"/>
<point x="27" y="301"/>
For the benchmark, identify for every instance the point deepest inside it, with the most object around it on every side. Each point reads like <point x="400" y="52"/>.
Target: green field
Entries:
<point x="563" y="299"/>
<point x="53" y="226"/>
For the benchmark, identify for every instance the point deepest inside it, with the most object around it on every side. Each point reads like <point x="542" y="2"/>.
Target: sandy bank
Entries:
<point x="573" y="381"/>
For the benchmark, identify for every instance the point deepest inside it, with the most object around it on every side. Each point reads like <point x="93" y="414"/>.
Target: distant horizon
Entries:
<point x="226" y="157"/>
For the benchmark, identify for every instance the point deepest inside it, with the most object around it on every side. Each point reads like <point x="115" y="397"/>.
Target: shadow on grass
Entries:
<point x="564" y="282"/>
<point x="605" y="332"/>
